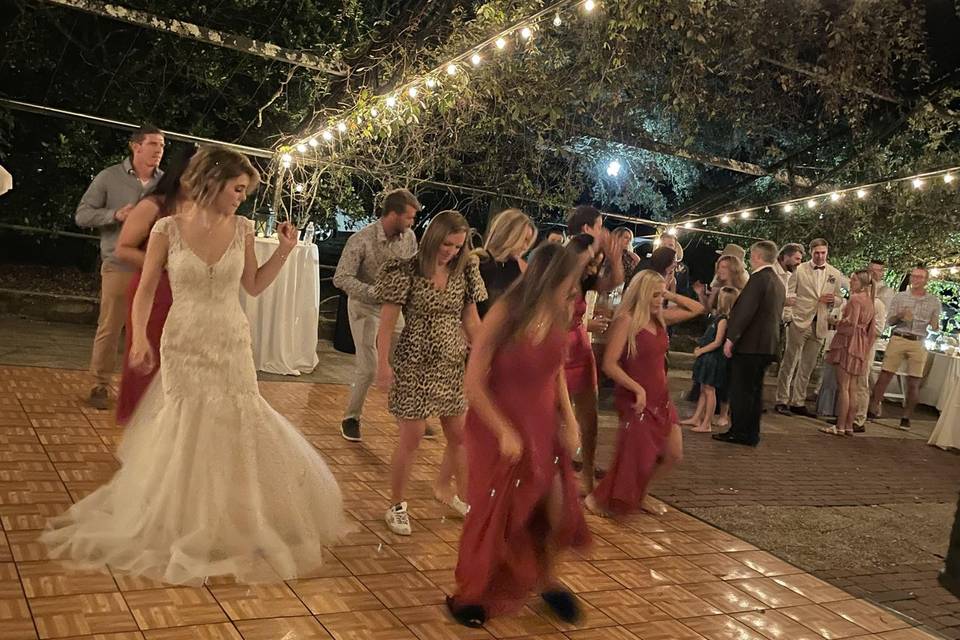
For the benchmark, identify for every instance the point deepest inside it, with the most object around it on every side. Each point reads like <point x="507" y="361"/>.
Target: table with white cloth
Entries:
<point x="284" y="318"/>
<point x="935" y="387"/>
<point x="946" y="434"/>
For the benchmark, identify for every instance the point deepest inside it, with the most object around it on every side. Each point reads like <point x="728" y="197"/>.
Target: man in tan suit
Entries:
<point x="812" y="291"/>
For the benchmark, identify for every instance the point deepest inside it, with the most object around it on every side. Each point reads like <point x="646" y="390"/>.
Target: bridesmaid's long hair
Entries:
<point x="507" y="235"/>
<point x="636" y="305"/>
<point x="442" y="225"/>
<point x="867" y="285"/>
<point x="169" y="187"/>
<point x="551" y="267"/>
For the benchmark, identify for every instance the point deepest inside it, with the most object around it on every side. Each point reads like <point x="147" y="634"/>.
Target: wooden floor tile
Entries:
<point x="305" y="628"/>
<point x="77" y="615"/>
<point x="244" y="602"/>
<point x="174" y="607"/>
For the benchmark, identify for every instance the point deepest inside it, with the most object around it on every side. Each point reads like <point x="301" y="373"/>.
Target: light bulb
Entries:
<point x="948" y="178"/>
<point x="672" y="231"/>
<point x="688" y="225"/>
<point x="391" y="101"/>
<point x="725" y="219"/>
<point x="811" y="203"/>
<point x="557" y="21"/>
<point x="451" y="69"/>
<point x="935" y="272"/>
<point x="431" y="83"/>
<point x="501" y="43"/>
<point x="861" y="193"/>
<point x="374" y="112"/>
<point x="917" y="183"/>
<point x="298" y="188"/>
<point x="475" y="59"/>
<point x="327" y="135"/>
<point x="525" y="33"/>
<point x="787" y="208"/>
<point x="744" y="214"/>
<point x="312" y="142"/>
<point x="302" y="148"/>
<point x="613" y="169"/>
<point x="589" y="5"/>
<point x="286" y="158"/>
<point x="412" y="92"/>
<point x="341" y="127"/>
<point x="705" y="221"/>
<point x="834" y="196"/>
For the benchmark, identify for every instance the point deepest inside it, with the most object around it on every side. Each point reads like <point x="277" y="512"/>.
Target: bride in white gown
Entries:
<point x="213" y="481"/>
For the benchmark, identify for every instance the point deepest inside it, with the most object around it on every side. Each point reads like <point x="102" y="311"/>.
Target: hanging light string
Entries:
<point x="946" y="268"/>
<point x="413" y="89"/>
<point x="811" y="203"/>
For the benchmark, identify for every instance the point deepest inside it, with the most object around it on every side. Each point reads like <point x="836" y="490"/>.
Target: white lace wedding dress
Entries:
<point x="213" y="480"/>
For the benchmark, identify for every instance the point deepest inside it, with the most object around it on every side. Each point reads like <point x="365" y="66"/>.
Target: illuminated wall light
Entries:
<point x="861" y="193"/>
<point x="342" y="127"/>
<point x="312" y="142"/>
<point x="948" y="178"/>
<point x="412" y="92"/>
<point x="589" y="6"/>
<point x="557" y="21"/>
<point x="834" y="196"/>
<point x="811" y="204"/>
<point x="451" y="69"/>
<point x="302" y="148"/>
<point x="525" y="33"/>
<point x="476" y="59"/>
<point x="327" y="135"/>
<point x="725" y="219"/>
<point x="431" y="83"/>
<point x="917" y="183"/>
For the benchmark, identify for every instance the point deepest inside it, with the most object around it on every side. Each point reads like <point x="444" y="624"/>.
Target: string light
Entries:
<point x="501" y="43"/>
<point x="935" y="273"/>
<point x="451" y="69"/>
<point x="725" y="219"/>
<point x="476" y="59"/>
<point x="391" y="101"/>
<point x="286" y="159"/>
<point x="431" y="83"/>
<point x="313" y="142"/>
<point x="917" y="183"/>
<point x="374" y="112"/>
<point x="834" y="196"/>
<point x="589" y="6"/>
<point x="689" y="225"/>
<point x="672" y="231"/>
<point x="525" y="33"/>
<point x="811" y="203"/>
<point x="412" y="92"/>
<point x="861" y="193"/>
<point x="299" y="188"/>
<point x="948" y="178"/>
<point x="327" y="135"/>
<point x="787" y="208"/>
<point x="557" y="21"/>
<point x="302" y="148"/>
<point x="744" y="214"/>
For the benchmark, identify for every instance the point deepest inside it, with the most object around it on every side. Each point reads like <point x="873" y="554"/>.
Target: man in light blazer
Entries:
<point x="812" y="291"/>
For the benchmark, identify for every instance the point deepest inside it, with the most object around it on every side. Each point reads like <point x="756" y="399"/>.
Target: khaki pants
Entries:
<point x="799" y="360"/>
<point x="364" y="325"/>
<point x="113" y="315"/>
<point x="864" y="389"/>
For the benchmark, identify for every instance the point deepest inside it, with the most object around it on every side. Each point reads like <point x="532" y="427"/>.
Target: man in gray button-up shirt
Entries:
<point x="365" y="252"/>
<point x="104" y="207"/>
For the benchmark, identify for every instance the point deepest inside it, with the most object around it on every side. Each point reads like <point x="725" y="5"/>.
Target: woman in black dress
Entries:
<point x="510" y="236"/>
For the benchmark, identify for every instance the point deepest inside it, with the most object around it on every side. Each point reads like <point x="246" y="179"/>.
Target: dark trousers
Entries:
<point x="950" y="577"/>
<point x="746" y="395"/>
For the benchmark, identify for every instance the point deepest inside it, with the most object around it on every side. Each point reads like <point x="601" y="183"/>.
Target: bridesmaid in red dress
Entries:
<point x="165" y="199"/>
<point x="522" y="489"/>
<point x="649" y="441"/>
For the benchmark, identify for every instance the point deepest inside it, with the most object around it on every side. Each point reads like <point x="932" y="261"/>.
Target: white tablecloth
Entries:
<point x="284" y="318"/>
<point x="935" y="388"/>
<point x="947" y="432"/>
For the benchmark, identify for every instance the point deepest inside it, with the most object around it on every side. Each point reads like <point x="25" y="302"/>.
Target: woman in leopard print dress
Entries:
<point x="437" y="290"/>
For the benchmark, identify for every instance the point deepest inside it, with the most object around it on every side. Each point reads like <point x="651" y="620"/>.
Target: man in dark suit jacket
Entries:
<point x="753" y="338"/>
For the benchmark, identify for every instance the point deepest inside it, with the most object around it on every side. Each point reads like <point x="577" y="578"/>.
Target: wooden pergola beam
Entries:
<point x="204" y="34"/>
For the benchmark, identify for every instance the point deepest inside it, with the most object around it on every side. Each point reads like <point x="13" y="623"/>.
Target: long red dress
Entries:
<point x="502" y="546"/>
<point x="133" y="384"/>
<point x="641" y="439"/>
<point x="580" y="366"/>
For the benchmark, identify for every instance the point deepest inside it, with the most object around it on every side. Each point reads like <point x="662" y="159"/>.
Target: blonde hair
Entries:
<point x="738" y="272"/>
<point x="635" y="304"/>
<point x="209" y="170"/>
<point x="725" y="299"/>
<point x="442" y="225"/>
<point x="506" y="235"/>
<point x="865" y="278"/>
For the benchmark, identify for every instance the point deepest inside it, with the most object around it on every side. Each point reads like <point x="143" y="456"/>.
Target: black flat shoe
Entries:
<point x="469" y="615"/>
<point x="563" y="605"/>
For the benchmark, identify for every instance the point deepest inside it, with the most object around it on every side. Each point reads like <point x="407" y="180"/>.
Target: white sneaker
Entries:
<point x="397" y="519"/>
<point x="459" y="506"/>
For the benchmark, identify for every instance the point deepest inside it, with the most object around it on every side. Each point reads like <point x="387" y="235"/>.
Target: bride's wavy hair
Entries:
<point x="531" y="296"/>
<point x="210" y="169"/>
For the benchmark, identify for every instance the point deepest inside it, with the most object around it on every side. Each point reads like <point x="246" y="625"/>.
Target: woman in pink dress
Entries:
<point x="522" y="488"/>
<point x="165" y="200"/>
<point x="649" y="441"/>
<point x="850" y="348"/>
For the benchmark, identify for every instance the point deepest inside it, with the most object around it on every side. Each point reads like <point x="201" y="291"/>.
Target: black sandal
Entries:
<point x="563" y="604"/>
<point x="469" y="615"/>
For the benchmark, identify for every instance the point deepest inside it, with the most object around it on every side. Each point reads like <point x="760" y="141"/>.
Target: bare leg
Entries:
<point x="708" y="395"/>
<point x="672" y="455"/>
<point x="723" y="421"/>
<point x="843" y="399"/>
<point x="697" y="418"/>
<point x="883" y="381"/>
<point x="554" y="506"/>
<point x="411" y="432"/>
<point x="452" y="475"/>
<point x="585" y="407"/>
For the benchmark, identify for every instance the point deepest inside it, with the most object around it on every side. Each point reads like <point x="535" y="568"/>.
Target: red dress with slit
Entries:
<point x="133" y="383"/>
<point x="580" y="366"/>
<point x="501" y="559"/>
<point x="641" y="439"/>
